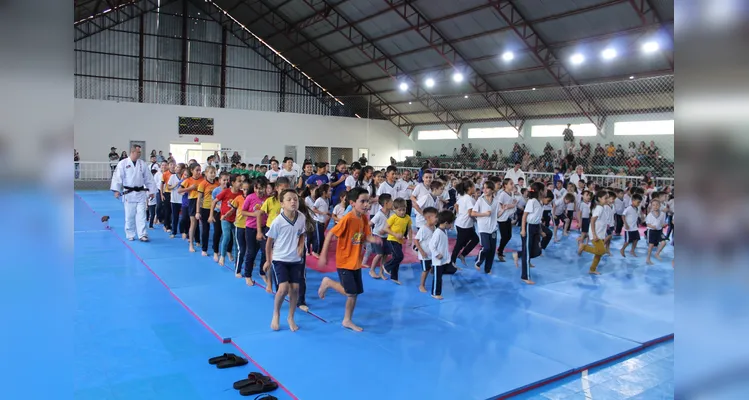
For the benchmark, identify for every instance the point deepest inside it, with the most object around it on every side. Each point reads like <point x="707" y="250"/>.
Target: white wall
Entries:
<point x="101" y="124"/>
<point x="536" y="144"/>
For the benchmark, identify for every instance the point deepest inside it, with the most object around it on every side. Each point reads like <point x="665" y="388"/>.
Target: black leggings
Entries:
<point x="205" y="228"/>
<point x="151" y="215"/>
<point x="467" y="241"/>
<point x="505" y="231"/>
<point x="217" y="233"/>
<point x="176" y="208"/>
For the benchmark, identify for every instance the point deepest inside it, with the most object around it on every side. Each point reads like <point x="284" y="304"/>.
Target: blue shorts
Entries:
<point x="378" y="248"/>
<point x="291" y="272"/>
<point x="654" y="237"/>
<point x="585" y="225"/>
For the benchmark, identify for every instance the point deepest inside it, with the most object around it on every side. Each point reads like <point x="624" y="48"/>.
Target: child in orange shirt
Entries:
<point x="190" y="186"/>
<point x="352" y="231"/>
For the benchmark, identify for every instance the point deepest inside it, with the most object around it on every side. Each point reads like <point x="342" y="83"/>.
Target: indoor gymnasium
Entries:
<point x="374" y="199"/>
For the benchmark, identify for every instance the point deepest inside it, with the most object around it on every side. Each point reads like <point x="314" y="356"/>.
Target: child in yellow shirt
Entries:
<point x="397" y="228"/>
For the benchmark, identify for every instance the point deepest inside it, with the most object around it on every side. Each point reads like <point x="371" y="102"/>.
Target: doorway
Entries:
<point x="183" y="152"/>
<point x="363" y="155"/>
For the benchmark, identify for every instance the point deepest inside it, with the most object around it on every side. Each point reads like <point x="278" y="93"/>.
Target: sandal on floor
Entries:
<point x="259" y="387"/>
<point x="232" y="361"/>
<point x="252" y="378"/>
<point x="266" y="397"/>
<point x="216" y="360"/>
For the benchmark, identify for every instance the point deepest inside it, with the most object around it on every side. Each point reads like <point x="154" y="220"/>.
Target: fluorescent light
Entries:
<point x="577" y="59"/>
<point x="632" y="77"/>
<point x="650" y="47"/>
<point x="465" y="97"/>
<point x="608" y="54"/>
<point x="404" y="86"/>
<point x="458" y="77"/>
<point x="508" y="56"/>
<point x="429" y="82"/>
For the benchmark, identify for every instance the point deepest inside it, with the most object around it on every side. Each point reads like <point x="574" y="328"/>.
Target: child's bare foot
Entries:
<point x="373" y="274"/>
<point x="557" y="240"/>
<point x="533" y="266"/>
<point x="292" y="325"/>
<point x="594" y="272"/>
<point x="304" y="308"/>
<point x="657" y="257"/>
<point x="221" y="261"/>
<point x="215" y="257"/>
<point x="184" y="236"/>
<point x="313" y="254"/>
<point x="274" y="323"/>
<point x="515" y="258"/>
<point x="237" y="275"/>
<point x="648" y="262"/>
<point x="171" y="236"/>
<point x="230" y="257"/>
<point x="323" y="287"/>
<point x="395" y="281"/>
<point x="422" y="289"/>
<point x="632" y="253"/>
<point x="269" y="288"/>
<point x="250" y="281"/>
<point x="438" y="297"/>
<point x="528" y="281"/>
<point x="462" y="259"/>
<point x="621" y="251"/>
<point x="580" y="248"/>
<point x="352" y="326"/>
<point x="204" y="253"/>
<point x="608" y="253"/>
<point x="382" y="276"/>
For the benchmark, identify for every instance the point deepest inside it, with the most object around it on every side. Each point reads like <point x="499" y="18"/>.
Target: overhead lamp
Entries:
<point x="508" y="56"/>
<point x="429" y="82"/>
<point x="458" y="77"/>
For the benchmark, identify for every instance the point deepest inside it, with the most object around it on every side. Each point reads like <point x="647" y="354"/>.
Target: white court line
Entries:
<point x="586" y="385"/>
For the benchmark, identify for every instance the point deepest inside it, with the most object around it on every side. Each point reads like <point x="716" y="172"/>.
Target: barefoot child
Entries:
<point x="254" y="218"/>
<point x="378" y="225"/>
<point x="608" y="212"/>
<point x="223" y="181"/>
<point x="397" y="227"/>
<point x="486" y="211"/>
<point x="631" y="231"/>
<point x="597" y="232"/>
<point x="655" y="221"/>
<point x="439" y="250"/>
<point x="584" y="217"/>
<point x="352" y="232"/>
<point x="464" y="223"/>
<point x="271" y="208"/>
<point x="190" y="186"/>
<point x="240" y="223"/>
<point x="559" y="211"/>
<point x="422" y="240"/>
<point x="227" y="217"/>
<point x="285" y="250"/>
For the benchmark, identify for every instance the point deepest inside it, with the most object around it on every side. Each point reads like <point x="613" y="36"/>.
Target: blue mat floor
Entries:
<point x="490" y="336"/>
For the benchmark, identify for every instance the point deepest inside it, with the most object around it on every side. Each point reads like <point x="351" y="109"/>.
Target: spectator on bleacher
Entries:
<point x="585" y="150"/>
<point x="578" y="175"/>
<point x="632" y="150"/>
<point x="236" y="158"/>
<point x="599" y="154"/>
<point x="114" y="158"/>
<point x="471" y="152"/>
<point x="484" y="160"/>
<point x="620" y="155"/>
<point x="493" y="160"/>
<point x="610" y="154"/>
<point x="455" y="152"/>
<point x="642" y="151"/>
<point x="463" y="151"/>
<point x="224" y="158"/>
<point x="525" y="164"/>
<point x="123" y="156"/>
<point x="363" y="160"/>
<point x="515" y="173"/>
<point x="569" y="138"/>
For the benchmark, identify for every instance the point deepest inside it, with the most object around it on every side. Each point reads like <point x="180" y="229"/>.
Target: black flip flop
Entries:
<point x="266" y="397"/>
<point x="252" y="378"/>
<point x="232" y="361"/>
<point x="216" y="360"/>
<point x="258" y="387"/>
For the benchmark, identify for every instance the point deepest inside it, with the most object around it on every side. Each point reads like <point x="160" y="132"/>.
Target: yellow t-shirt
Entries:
<point x="206" y="188"/>
<point x="239" y="220"/>
<point x="271" y="207"/>
<point x="399" y="225"/>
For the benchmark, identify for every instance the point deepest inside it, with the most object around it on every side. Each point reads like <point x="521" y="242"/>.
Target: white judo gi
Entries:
<point x="127" y="176"/>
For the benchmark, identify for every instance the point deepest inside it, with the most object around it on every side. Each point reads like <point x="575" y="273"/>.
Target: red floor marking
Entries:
<point x="188" y="308"/>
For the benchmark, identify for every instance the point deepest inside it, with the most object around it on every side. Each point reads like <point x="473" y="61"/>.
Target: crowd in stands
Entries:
<point x="602" y="159"/>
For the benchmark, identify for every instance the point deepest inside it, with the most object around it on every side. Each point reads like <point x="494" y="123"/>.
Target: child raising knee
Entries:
<point x="397" y="229"/>
<point x="379" y="223"/>
<point x="285" y="249"/>
<point x="655" y="221"/>
<point x="422" y="240"/>
<point x="352" y="232"/>
<point x="440" y="251"/>
<point x="631" y="231"/>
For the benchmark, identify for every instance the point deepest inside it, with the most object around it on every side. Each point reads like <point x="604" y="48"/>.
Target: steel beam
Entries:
<point x="452" y="56"/>
<point x="184" y="67"/>
<point x="224" y="40"/>
<point x="649" y="16"/>
<point x="126" y="12"/>
<point x="251" y="41"/>
<point x="313" y="19"/>
<point x="545" y="56"/>
<point x="477" y="35"/>
<point x="371" y="51"/>
<point x="141" y="57"/>
<point x="328" y="63"/>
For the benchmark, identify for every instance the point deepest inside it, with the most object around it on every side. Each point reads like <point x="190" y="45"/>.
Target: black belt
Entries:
<point x="129" y="189"/>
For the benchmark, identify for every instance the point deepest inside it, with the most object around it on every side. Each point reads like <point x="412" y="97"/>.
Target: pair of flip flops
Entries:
<point x="256" y="383"/>
<point x="227" y="360"/>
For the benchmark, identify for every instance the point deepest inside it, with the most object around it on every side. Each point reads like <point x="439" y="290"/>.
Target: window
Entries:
<point x="644" y="128"/>
<point x="437" y="135"/>
<point x="506" y="132"/>
<point x="406" y="153"/>
<point x="581" y="130"/>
